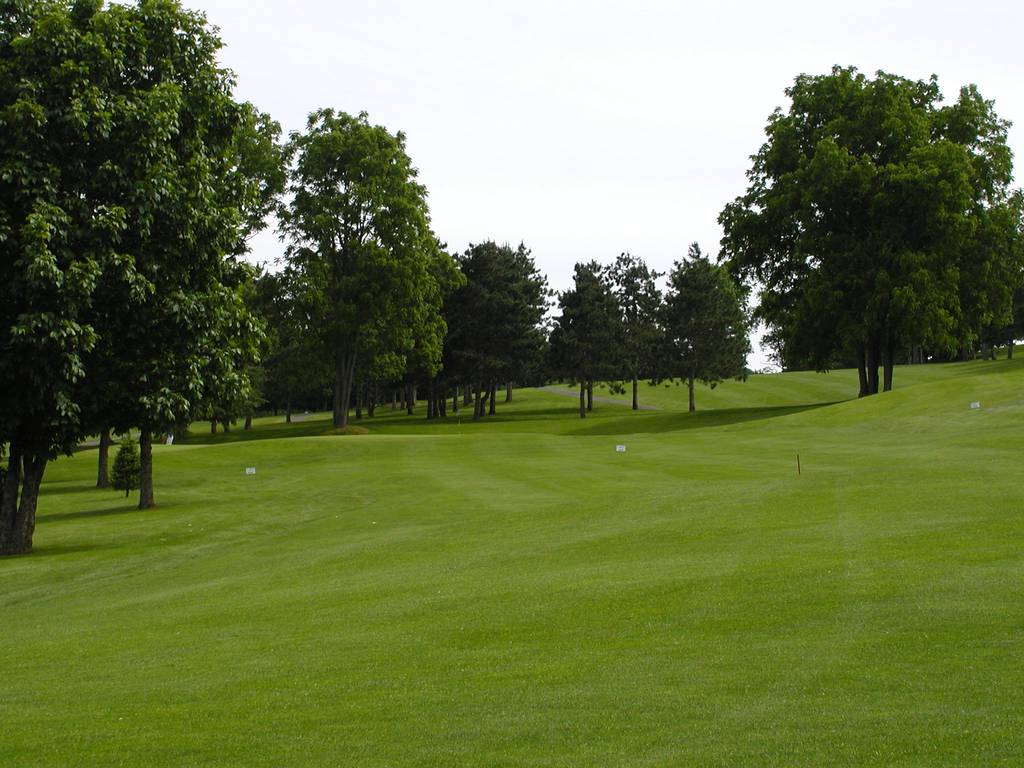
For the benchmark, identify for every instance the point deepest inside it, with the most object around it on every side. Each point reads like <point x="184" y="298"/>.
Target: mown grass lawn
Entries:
<point x="517" y="593"/>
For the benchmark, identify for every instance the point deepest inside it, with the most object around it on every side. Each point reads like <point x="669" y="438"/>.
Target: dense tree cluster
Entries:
<point x="879" y="225"/>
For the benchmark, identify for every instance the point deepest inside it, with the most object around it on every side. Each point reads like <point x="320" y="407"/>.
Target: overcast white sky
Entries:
<point x="588" y="128"/>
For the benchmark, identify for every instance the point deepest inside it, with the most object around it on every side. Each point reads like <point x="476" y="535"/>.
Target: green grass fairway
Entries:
<point x="517" y="593"/>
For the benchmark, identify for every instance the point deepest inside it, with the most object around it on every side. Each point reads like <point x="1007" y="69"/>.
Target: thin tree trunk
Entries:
<point x="590" y="395"/>
<point x="410" y="399"/>
<point x="344" y="376"/>
<point x="455" y="400"/>
<point x="1009" y="350"/>
<point x="492" y="398"/>
<point x="467" y="395"/>
<point x="690" y="388"/>
<point x="583" y="399"/>
<point x="145" y="468"/>
<point x="248" y="421"/>
<point x="103" y="470"/>
<point x="359" y="401"/>
<point x="873" y="368"/>
<point x="9" y="500"/>
<point x="508" y="391"/>
<point x="862" y="371"/>
<point x="887" y="366"/>
<point x="431" y="401"/>
<point x="213" y="427"/>
<point x="288" y="412"/>
<point x="477" y="404"/>
<point x="227" y="426"/>
<point x="636" y="399"/>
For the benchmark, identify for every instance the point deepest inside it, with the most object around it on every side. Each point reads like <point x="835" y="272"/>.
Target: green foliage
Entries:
<point x="371" y="270"/>
<point x="705" y="322"/>
<point x="876" y="218"/>
<point x="124" y="476"/>
<point x="495" y="320"/>
<point x="586" y="341"/>
<point x="635" y="287"/>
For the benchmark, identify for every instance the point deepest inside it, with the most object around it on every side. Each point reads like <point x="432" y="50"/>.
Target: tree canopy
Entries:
<point x="122" y="191"/>
<point x="876" y="218"/>
<point x="359" y="234"/>
<point x="705" y="324"/>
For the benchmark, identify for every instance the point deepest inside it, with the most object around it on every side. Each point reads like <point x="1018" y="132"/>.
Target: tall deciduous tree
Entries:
<point x="635" y="286"/>
<point x="870" y="223"/>
<point x="705" y="324"/>
<point x="359" y="234"/>
<point x="121" y="191"/>
<point x="586" y="341"/>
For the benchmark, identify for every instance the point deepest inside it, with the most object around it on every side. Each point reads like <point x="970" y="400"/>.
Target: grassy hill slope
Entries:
<point x="515" y="592"/>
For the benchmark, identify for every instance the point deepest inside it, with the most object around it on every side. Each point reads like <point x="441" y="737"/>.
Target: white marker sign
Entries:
<point x="975" y="406"/>
<point x="620" y="449"/>
<point x="170" y="439"/>
<point x="250" y="470"/>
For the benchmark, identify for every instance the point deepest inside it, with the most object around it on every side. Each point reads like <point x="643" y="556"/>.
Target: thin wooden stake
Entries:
<point x="798" y="464"/>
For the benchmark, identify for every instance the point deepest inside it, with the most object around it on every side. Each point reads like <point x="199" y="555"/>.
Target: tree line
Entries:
<point x="879" y="226"/>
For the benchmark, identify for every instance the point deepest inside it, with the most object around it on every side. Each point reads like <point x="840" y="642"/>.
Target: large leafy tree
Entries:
<point x="635" y="286"/>
<point x="495" y="320"/>
<point x="875" y="219"/>
<point x="194" y="177"/>
<point x="122" y="190"/>
<point x="586" y="341"/>
<point x="705" y="324"/>
<point x="359" y="235"/>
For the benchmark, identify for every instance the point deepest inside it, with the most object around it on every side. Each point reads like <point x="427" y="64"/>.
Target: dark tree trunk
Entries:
<point x="590" y="395"/>
<point x="442" y="404"/>
<point x="360" y="395"/>
<point x="508" y="391"/>
<point x="394" y="399"/>
<point x="477" y="404"/>
<point x="455" y="400"/>
<point x="410" y="399"/>
<point x="887" y="366"/>
<point x="873" y="368"/>
<point x="467" y="395"/>
<point x="288" y="412"/>
<point x="690" y="388"/>
<point x="145" y="468"/>
<point x="492" y="398"/>
<point x="19" y="499"/>
<point x="862" y="371"/>
<point x="248" y="421"/>
<point x="431" y="400"/>
<point x="227" y="426"/>
<point x="371" y="401"/>
<point x="1009" y="351"/>
<point x="103" y="470"/>
<point x="636" y="400"/>
<point x="344" y="374"/>
<point x="583" y="400"/>
<point x="213" y="427"/>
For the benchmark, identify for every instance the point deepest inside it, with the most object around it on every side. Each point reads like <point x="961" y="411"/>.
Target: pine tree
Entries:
<point x="125" y="475"/>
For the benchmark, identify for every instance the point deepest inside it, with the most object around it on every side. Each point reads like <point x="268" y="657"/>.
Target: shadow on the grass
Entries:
<point x="88" y="513"/>
<point x="675" y="422"/>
